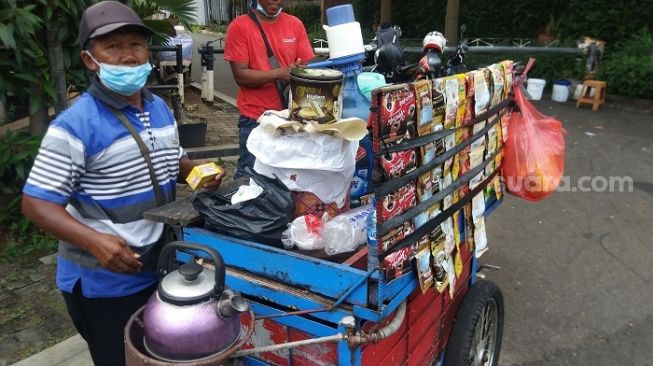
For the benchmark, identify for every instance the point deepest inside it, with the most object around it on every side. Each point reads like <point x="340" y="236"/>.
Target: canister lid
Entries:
<point x="316" y="74"/>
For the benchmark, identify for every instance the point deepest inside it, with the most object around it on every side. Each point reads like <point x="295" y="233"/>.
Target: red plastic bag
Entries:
<point x="534" y="155"/>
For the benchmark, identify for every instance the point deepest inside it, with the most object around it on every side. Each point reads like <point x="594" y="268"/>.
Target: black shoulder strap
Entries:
<point x="160" y="200"/>
<point x="260" y="28"/>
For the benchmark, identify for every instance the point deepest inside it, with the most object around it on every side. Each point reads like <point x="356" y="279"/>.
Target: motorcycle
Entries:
<point x="385" y="56"/>
<point x="431" y="66"/>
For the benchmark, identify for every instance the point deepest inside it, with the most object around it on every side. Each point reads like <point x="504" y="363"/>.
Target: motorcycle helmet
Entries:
<point x="389" y="57"/>
<point x="434" y="40"/>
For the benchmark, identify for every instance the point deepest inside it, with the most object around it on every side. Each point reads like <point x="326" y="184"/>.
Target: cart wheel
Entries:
<point x="476" y="336"/>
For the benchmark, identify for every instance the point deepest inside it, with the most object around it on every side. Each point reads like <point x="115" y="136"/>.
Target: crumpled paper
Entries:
<point x="276" y="122"/>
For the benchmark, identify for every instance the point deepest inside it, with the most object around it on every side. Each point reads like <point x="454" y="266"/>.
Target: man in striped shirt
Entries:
<point x="90" y="184"/>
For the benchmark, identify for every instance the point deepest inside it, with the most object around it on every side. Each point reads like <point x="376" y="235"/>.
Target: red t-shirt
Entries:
<point x="289" y="41"/>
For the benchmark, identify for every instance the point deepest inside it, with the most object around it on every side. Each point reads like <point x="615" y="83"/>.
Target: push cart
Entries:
<point x="350" y="310"/>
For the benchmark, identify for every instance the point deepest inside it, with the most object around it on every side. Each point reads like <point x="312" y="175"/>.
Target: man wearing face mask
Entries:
<point x="90" y="183"/>
<point x="255" y="73"/>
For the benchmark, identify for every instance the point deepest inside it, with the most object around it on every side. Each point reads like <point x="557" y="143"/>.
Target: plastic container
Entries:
<point x="368" y="81"/>
<point x="315" y="95"/>
<point x="344" y="40"/>
<point x="535" y="88"/>
<point x="361" y="181"/>
<point x="340" y="14"/>
<point x="347" y="231"/>
<point x="579" y="91"/>
<point x="561" y="89"/>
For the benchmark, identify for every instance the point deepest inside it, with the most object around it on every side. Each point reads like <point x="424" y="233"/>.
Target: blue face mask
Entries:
<point x="260" y="8"/>
<point x="124" y="80"/>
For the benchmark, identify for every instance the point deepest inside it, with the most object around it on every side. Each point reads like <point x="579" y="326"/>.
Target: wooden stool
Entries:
<point x="599" y="94"/>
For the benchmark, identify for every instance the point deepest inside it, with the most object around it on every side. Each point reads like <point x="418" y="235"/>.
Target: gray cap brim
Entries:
<point x="115" y="26"/>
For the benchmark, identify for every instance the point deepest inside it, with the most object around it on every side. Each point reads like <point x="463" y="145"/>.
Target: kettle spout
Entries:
<point x="231" y="304"/>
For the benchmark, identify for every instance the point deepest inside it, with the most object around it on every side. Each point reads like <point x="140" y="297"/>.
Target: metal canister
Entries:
<point x="315" y="95"/>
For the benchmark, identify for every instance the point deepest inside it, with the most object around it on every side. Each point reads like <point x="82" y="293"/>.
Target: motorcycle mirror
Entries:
<point x="463" y="28"/>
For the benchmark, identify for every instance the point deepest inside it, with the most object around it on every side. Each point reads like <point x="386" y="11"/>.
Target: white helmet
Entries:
<point x="434" y="40"/>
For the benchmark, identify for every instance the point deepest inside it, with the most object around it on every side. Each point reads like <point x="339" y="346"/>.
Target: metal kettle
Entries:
<point x="191" y="316"/>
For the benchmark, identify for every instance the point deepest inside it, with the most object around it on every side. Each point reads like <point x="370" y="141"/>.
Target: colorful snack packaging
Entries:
<point x="397" y="263"/>
<point x="397" y="111"/>
<point x="462" y="99"/>
<point x="397" y="202"/>
<point x="481" y="91"/>
<point x="470" y="102"/>
<point x="438" y="95"/>
<point x="423" y="265"/>
<point x="396" y="164"/>
<point x="201" y="174"/>
<point x="424" y="187"/>
<point x="439" y="273"/>
<point x="497" y="82"/>
<point x="395" y="235"/>
<point x="507" y="76"/>
<point x="480" y="237"/>
<point x="469" y="226"/>
<point x="424" y="192"/>
<point x="424" y="106"/>
<point x="436" y="176"/>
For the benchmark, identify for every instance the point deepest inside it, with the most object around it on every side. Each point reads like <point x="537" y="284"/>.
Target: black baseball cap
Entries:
<point x="106" y="17"/>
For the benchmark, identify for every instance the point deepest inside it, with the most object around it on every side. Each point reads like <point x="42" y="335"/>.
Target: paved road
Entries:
<point x="577" y="275"/>
<point x="223" y="80"/>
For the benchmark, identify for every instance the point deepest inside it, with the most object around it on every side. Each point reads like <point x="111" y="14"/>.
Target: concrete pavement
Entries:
<point x="576" y="268"/>
<point x="70" y="352"/>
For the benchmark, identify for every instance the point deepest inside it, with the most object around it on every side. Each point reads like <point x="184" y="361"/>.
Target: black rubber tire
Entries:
<point x="462" y="336"/>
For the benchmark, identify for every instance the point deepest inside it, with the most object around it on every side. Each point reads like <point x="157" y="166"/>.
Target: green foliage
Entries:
<point x="311" y="16"/>
<point x="21" y="242"/>
<point x="629" y="69"/>
<point x="17" y="153"/>
<point x="181" y="11"/>
<point x="613" y="21"/>
<point x="22" y="52"/>
<point x="24" y="64"/>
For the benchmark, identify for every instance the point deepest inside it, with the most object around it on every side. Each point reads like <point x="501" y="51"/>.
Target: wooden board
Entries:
<point x="182" y="212"/>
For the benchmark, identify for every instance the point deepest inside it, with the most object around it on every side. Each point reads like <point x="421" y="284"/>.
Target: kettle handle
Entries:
<point x="165" y="259"/>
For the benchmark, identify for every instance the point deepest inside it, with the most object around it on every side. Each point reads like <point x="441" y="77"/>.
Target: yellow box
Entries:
<point x="201" y="174"/>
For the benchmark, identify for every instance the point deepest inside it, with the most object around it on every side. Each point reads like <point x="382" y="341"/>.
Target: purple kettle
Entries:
<point x="191" y="316"/>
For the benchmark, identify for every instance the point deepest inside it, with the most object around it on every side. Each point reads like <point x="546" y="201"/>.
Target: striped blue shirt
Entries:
<point x="89" y="163"/>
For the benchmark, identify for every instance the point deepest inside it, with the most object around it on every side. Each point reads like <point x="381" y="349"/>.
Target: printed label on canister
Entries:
<point x="315" y="95"/>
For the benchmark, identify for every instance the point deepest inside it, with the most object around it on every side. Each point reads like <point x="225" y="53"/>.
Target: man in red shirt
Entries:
<point x="246" y="51"/>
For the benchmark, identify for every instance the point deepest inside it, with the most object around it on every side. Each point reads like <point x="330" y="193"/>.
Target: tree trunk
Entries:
<point x="451" y="22"/>
<point x="386" y="12"/>
<point x="57" y="67"/>
<point x="38" y="121"/>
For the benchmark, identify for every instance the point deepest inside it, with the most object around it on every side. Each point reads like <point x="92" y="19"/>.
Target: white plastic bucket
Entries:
<point x="560" y="91"/>
<point x="535" y="87"/>
<point x="579" y="91"/>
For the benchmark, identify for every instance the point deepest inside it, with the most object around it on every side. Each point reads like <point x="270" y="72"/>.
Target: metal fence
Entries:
<point x="224" y="11"/>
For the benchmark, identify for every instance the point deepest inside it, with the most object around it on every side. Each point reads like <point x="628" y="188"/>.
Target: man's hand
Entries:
<point x="283" y="73"/>
<point x="215" y="183"/>
<point x="113" y="254"/>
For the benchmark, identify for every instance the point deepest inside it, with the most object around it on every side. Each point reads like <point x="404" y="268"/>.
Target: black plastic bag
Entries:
<point x="261" y="219"/>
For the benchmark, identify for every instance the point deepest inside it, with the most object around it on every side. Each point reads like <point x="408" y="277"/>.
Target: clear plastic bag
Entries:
<point x="534" y="156"/>
<point x="340" y="234"/>
<point x="304" y="232"/>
